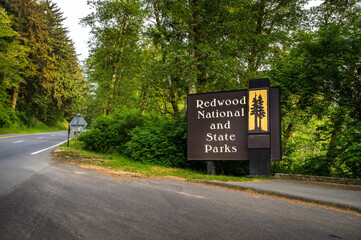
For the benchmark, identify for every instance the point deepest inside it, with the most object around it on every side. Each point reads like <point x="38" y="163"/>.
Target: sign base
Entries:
<point x="211" y="168"/>
<point x="260" y="162"/>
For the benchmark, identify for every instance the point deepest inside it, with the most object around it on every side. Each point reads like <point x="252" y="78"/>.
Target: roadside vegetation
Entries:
<point x="147" y="55"/>
<point x="29" y="130"/>
<point x="35" y="128"/>
<point x="166" y="50"/>
<point x="122" y="166"/>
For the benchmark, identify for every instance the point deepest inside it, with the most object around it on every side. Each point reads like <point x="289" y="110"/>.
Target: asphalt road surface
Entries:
<point x="48" y="200"/>
<point x="22" y="155"/>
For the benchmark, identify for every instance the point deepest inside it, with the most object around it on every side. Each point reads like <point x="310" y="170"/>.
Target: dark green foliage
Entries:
<point x="348" y="151"/>
<point x="149" y="54"/>
<point x="321" y="94"/>
<point x="7" y="116"/>
<point x="163" y="143"/>
<point x="110" y="133"/>
<point x="39" y="71"/>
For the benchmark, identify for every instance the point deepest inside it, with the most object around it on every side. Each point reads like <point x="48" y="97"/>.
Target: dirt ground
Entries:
<point x="66" y="155"/>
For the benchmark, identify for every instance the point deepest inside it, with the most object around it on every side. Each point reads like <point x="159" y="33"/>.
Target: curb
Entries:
<point x="300" y="177"/>
<point x="284" y="195"/>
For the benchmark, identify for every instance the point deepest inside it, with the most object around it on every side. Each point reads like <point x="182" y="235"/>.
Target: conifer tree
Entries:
<point x="261" y="112"/>
<point x="254" y="111"/>
<point x="51" y="77"/>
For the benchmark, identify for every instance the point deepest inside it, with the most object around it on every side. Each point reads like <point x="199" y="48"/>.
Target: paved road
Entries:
<point x="59" y="201"/>
<point x="22" y="155"/>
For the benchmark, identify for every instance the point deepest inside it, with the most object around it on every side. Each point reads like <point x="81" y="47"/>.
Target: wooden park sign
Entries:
<point x="236" y="125"/>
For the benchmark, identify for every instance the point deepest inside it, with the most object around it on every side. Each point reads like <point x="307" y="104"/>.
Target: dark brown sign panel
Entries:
<point x="218" y="126"/>
<point x="275" y="119"/>
<point x="225" y="125"/>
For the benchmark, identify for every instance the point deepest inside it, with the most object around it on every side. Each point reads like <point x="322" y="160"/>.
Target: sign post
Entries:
<point x="68" y="130"/>
<point x="77" y="124"/>
<point x="236" y="125"/>
<point x="259" y="142"/>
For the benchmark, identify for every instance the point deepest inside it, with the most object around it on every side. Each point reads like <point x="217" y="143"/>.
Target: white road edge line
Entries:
<point x="48" y="148"/>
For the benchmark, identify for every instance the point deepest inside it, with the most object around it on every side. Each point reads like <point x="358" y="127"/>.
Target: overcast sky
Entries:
<point x="74" y="10"/>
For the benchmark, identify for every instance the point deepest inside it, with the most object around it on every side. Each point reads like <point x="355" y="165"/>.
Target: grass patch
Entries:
<point x="28" y="130"/>
<point x="122" y="163"/>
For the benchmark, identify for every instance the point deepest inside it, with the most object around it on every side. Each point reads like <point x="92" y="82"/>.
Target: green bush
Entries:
<point x="163" y="143"/>
<point x="348" y="152"/>
<point x="110" y="133"/>
<point x="9" y="118"/>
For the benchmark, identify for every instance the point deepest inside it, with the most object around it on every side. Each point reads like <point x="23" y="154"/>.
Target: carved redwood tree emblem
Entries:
<point x="258" y="111"/>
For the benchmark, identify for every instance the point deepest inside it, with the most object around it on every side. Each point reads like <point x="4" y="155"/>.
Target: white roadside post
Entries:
<point x="77" y="124"/>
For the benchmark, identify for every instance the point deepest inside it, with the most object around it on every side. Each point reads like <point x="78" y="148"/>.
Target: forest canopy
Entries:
<point x="40" y="77"/>
<point x="149" y="54"/>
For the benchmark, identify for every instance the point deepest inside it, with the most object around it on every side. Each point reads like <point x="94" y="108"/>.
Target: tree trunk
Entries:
<point x="255" y="121"/>
<point x="289" y="131"/>
<point x="15" y="97"/>
<point x="172" y="96"/>
<point x="338" y="123"/>
<point x="118" y="58"/>
<point x="196" y="37"/>
<point x="254" y="58"/>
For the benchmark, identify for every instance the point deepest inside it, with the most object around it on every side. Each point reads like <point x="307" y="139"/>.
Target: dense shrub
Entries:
<point x="346" y="161"/>
<point x="6" y="116"/>
<point x="348" y="152"/>
<point x="110" y="133"/>
<point x="10" y="118"/>
<point x="163" y="143"/>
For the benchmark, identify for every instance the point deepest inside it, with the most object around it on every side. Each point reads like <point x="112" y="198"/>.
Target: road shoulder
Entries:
<point x="330" y="195"/>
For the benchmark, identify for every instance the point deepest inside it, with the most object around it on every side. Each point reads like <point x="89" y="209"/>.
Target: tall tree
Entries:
<point x="269" y="24"/>
<point x="12" y="62"/>
<point x="30" y="23"/>
<point x="322" y="71"/>
<point x="51" y="75"/>
<point x="69" y="84"/>
<point x="12" y="58"/>
<point x="115" y="26"/>
<point x="188" y="47"/>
